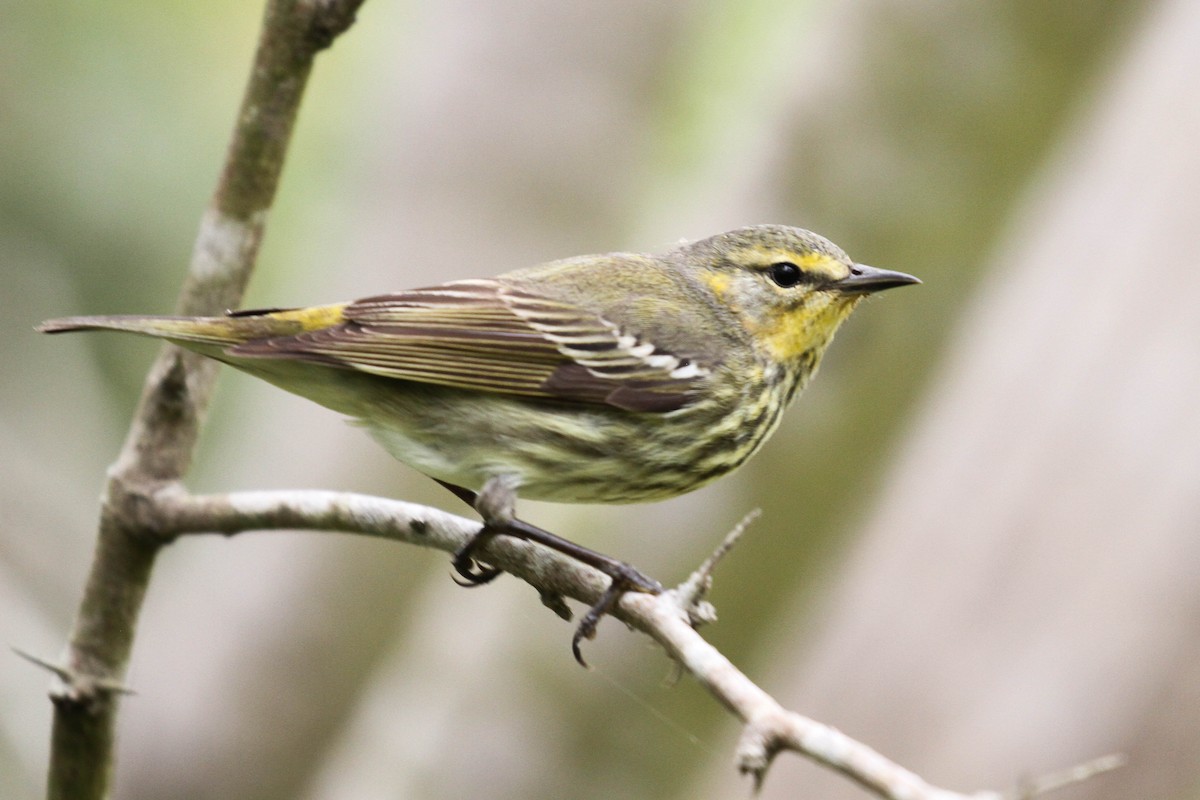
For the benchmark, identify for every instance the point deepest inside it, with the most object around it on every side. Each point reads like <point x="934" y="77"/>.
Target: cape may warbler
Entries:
<point x="614" y="378"/>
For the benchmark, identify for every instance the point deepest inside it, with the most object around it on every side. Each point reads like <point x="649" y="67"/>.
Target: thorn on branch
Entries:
<point x="59" y="671"/>
<point x="75" y="688"/>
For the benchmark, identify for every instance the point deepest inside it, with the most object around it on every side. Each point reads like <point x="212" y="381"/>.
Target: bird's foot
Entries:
<point x="495" y="504"/>
<point x="623" y="578"/>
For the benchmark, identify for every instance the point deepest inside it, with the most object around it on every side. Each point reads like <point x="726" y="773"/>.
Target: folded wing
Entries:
<point x="484" y="335"/>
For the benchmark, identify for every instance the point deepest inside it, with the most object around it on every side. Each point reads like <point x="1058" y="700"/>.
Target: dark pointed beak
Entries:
<point x="865" y="280"/>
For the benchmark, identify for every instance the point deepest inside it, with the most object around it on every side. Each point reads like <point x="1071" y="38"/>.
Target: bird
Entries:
<point x="612" y="378"/>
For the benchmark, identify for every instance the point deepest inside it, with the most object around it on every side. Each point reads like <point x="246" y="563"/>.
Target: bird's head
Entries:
<point x="788" y="288"/>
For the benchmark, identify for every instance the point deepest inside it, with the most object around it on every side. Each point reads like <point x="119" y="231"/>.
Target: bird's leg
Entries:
<point x="495" y="502"/>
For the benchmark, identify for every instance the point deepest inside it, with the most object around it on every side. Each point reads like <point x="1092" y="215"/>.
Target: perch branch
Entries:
<point x="669" y="618"/>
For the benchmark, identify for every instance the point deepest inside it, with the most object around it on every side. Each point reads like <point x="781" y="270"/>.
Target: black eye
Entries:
<point x="785" y="274"/>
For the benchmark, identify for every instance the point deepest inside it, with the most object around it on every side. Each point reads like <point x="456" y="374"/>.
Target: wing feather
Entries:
<point x="485" y="335"/>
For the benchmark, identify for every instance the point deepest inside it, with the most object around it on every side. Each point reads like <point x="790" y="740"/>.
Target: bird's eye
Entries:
<point x="785" y="274"/>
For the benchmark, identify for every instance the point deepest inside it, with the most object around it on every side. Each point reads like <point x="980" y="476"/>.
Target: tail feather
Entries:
<point x="198" y="330"/>
<point x="236" y="328"/>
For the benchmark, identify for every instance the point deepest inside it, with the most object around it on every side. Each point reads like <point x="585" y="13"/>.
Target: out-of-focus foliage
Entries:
<point x="456" y="139"/>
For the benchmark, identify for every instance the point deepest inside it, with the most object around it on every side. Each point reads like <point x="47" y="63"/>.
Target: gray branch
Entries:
<point x="162" y="437"/>
<point x="670" y="619"/>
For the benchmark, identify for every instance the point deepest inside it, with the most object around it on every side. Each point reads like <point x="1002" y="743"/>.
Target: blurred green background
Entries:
<point x="979" y="543"/>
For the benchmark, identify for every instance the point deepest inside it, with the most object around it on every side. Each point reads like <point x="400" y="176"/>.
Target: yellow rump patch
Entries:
<point x="312" y="319"/>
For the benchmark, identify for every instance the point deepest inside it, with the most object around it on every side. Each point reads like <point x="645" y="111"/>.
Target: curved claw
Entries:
<point x="626" y="579"/>
<point x="474" y="577"/>
<point x="472" y="573"/>
<point x="587" y="625"/>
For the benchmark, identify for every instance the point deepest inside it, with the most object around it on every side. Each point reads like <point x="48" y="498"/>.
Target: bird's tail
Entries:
<point x="205" y="332"/>
<point x="198" y="330"/>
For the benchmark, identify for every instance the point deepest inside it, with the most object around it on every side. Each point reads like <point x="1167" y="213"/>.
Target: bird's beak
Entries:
<point x="865" y="280"/>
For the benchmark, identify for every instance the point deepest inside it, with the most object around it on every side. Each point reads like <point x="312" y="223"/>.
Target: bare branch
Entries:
<point x="162" y="436"/>
<point x="669" y="618"/>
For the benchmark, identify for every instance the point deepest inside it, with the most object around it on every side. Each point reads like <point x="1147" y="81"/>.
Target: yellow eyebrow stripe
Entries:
<point x="813" y="263"/>
<point x="821" y="264"/>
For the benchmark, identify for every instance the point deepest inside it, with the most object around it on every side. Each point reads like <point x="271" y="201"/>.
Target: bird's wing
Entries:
<point x="488" y="336"/>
